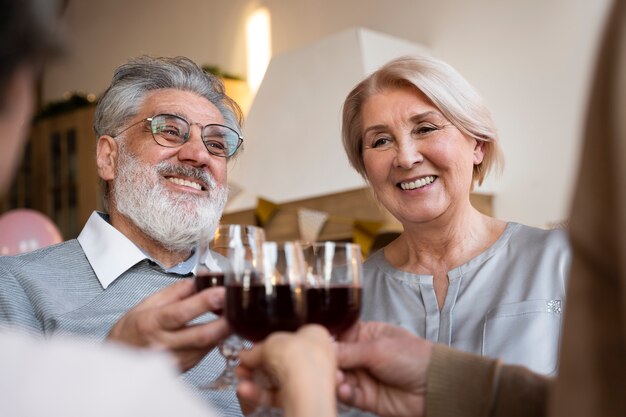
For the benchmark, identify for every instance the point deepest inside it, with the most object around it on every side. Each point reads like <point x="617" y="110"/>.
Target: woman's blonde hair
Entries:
<point x="453" y="96"/>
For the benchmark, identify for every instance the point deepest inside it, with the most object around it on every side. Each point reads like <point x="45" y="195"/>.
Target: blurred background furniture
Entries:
<point x="58" y="175"/>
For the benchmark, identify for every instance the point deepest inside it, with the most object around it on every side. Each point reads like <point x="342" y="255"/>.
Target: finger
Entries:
<point x="353" y="355"/>
<point x="345" y="393"/>
<point x="351" y="390"/>
<point x="251" y="395"/>
<point x="199" y="336"/>
<point x="352" y="333"/>
<point x="261" y="354"/>
<point x="314" y="332"/>
<point x="175" y="292"/>
<point x="243" y="372"/>
<point x="318" y="337"/>
<point x="248" y="392"/>
<point x="251" y="358"/>
<point x="179" y="312"/>
<point x="340" y="377"/>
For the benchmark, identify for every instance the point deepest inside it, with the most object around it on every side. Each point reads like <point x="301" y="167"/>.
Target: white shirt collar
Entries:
<point x="109" y="252"/>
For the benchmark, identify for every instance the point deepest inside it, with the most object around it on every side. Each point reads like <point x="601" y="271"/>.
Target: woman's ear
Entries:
<point x="106" y="157"/>
<point x="479" y="152"/>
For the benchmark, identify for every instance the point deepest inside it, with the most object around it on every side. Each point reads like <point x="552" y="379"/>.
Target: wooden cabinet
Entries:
<point x="58" y="175"/>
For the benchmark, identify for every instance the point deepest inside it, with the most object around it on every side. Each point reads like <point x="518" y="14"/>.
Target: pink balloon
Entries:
<point x="24" y="230"/>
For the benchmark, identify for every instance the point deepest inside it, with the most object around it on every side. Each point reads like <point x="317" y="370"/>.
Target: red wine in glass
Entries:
<point x="334" y="307"/>
<point x="254" y="311"/>
<point x="209" y="279"/>
<point x="215" y="253"/>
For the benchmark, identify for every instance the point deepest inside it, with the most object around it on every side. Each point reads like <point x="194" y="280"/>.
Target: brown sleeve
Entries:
<point x="521" y="392"/>
<point x="463" y="384"/>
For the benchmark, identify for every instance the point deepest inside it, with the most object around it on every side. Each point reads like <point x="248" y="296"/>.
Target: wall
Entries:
<point x="531" y="61"/>
<point x="104" y="34"/>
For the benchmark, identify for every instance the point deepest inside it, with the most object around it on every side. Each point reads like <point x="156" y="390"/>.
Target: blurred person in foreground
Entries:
<point x="165" y="131"/>
<point x="65" y="377"/>
<point x="28" y="38"/>
<point x="422" y="138"/>
<point x="389" y="371"/>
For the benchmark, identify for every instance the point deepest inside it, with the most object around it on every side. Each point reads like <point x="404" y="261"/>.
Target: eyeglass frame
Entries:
<point x="188" y="136"/>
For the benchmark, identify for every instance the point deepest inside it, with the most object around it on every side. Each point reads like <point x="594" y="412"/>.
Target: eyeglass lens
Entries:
<point x="171" y="131"/>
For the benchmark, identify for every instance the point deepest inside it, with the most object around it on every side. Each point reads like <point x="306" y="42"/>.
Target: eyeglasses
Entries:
<point x="171" y="131"/>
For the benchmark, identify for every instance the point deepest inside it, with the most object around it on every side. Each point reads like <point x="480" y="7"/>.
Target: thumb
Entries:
<point x="251" y="358"/>
<point x="353" y="355"/>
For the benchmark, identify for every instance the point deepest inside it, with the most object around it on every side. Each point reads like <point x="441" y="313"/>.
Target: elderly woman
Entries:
<point x="422" y="137"/>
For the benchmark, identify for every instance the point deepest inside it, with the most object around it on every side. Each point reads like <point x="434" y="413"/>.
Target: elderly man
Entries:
<point x="165" y="131"/>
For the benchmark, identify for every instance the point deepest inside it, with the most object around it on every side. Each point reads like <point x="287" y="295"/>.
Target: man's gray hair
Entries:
<point x="133" y="80"/>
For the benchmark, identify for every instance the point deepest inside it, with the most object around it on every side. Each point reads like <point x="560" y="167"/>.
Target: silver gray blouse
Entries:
<point x="505" y="303"/>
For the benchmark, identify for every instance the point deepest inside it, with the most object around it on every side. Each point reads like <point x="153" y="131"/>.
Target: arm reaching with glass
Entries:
<point x="161" y="322"/>
<point x="391" y="372"/>
<point x="384" y="369"/>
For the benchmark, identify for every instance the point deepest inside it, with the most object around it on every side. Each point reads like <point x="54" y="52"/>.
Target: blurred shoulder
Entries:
<point x="53" y="254"/>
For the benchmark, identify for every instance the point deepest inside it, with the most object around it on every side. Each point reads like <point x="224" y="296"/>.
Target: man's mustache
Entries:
<point x="166" y="168"/>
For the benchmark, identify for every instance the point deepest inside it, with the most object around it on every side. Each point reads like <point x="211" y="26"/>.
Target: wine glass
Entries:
<point x="268" y="295"/>
<point x="231" y="242"/>
<point x="333" y="290"/>
<point x="266" y="298"/>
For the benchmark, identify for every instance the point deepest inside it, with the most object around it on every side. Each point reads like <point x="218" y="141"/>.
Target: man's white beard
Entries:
<point x="175" y="220"/>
